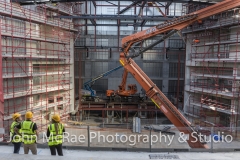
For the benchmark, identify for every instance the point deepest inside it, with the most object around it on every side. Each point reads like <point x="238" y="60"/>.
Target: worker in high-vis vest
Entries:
<point x="29" y="133"/>
<point x="15" y="138"/>
<point x="55" y="133"/>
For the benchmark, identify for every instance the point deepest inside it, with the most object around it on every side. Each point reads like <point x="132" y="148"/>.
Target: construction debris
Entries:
<point x="162" y="129"/>
<point x="76" y="123"/>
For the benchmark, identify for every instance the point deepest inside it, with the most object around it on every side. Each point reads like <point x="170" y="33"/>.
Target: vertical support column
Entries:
<point x="86" y="27"/>
<point x="187" y="76"/>
<point x="102" y="114"/>
<point x="156" y="115"/>
<point x="80" y="84"/>
<point x="107" y="113"/>
<point x="121" y="114"/>
<point x="139" y="111"/>
<point x="127" y="116"/>
<point x="28" y="49"/>
<point x="142" y="114"/>
<point x="71" y="89"/>
<point x="212" y="132"/>
<point x="77" y="115"/>
<point x="165" y="76"/>
<point x="150" y="140"/>
<point x="118" y="22"/>
<point x="88" y="132"/>
<point x="134" y="125"/>
<point x="178" y="80"/>
<point x="31" y="87"/>
<point x="88" y="111"/>
<point x="95" y="29"/>
<point x="112" y="113"/>
<point x="29" y="100"/>
<point x="237" y="116"/>
<point x="135" y="21"/>
<point x="1" y="82"/>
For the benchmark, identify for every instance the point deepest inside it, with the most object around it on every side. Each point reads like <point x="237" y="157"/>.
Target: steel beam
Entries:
<point x="118" y="109"/>
<point x="160" y="4"/>
<point x="93" y="22"/>
<point x="143" y="23"/>
<point x="159" y="9"/>
<point x="33" y="2"/>
<point x="128" y="7"/>
<point x="121" y="24"/>
<point x="94" y="3"/>
<point x="139" y="14"/>
<point x="111" y="3"/>
<point x="119" y="17"/>
<point x="168" y="4"/>
<point x="1" y="85"/>
<point x="141" y="7"/>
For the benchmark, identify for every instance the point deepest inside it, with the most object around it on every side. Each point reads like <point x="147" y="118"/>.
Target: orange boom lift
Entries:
<point x="152" y="91"/>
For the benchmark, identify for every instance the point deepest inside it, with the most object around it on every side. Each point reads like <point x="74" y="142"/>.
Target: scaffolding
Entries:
<point x="212" y="65"/>
<point x="37" y="61"/>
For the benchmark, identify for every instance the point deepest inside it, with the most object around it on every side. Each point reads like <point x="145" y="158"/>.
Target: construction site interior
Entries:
<point x="63" y="57"/>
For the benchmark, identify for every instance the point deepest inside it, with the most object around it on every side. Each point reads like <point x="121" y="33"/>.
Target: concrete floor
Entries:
<point x="44" y="154"/>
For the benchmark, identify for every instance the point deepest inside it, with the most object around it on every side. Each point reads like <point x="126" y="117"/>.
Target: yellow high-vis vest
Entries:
<point x="15" y="138"/>
<point x="54" y="138"/>
<point x="28" y="136"/>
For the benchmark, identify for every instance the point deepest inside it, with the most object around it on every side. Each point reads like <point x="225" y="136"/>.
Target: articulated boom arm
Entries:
<point x="151" y="89"/>
<point x="178" y="23"/>
<point x="87" y="85"/>
<point x="161" y="101"/>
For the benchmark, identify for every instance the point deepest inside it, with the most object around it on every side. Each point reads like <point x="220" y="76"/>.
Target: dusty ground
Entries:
<point x="125" y="138"/>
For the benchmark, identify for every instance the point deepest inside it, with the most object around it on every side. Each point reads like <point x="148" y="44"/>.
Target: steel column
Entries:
<point x="1" y="82"/>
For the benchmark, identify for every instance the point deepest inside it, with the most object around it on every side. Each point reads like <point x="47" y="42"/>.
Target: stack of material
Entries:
<point x="136" y="125"/>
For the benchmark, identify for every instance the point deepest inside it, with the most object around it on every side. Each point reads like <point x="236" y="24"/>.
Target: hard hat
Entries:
<point x="15" y="116"/>
<point x="29" y="115"/>
<point x="56" y="118"/>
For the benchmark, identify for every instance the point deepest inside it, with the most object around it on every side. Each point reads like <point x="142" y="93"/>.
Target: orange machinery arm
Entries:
<point x="178" y="23"/>
<point x="122" y="86"/>
<point x="132" y="88"/>
<point x="152" y="91"/>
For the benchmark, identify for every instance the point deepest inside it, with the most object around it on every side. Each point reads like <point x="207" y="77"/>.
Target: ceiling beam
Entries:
<point x="94" y="3"/>
<point x="168" y="4"/>
<point x="160" y="4"/>
<point x="112" y="3"/>
<point x="32" y="2"/>
<point x="128" y="7"/>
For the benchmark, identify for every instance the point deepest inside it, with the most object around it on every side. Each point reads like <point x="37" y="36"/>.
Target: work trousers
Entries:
<point x="58" y="148"/>
<point x="17" y="146"/>
<point x="32" y="147"/>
